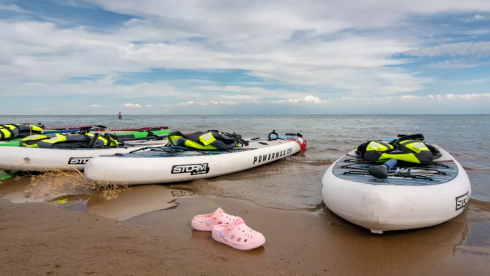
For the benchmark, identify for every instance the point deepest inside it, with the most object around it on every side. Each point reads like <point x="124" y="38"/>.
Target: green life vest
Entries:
<point x="10" y="131"/>
<point x="87" y="140"/>
<point x="211" y="140"/>
<point x="403" y="149"/>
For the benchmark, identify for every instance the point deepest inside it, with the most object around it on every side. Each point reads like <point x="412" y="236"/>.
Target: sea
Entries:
<point x="295" y="183"/>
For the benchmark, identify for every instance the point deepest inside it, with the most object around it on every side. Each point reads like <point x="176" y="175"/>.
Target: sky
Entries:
<point x="244" y="57"/>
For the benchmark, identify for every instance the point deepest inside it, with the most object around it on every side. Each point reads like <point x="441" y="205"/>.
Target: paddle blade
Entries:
<point x="378" y="171"/>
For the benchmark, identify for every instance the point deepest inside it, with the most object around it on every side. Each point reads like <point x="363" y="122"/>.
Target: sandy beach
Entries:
<point x="147" y="231"/>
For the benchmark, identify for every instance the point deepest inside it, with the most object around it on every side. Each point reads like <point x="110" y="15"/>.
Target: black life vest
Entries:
<point x="86" y="140"/>
<point x="10" y="131"/>
<point x="210" y="140"/>
<point x="409" y="148"/>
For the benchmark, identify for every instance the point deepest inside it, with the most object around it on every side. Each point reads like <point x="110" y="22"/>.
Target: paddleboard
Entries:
<point x="411" y="197"/>
<point x="174" y="164"/>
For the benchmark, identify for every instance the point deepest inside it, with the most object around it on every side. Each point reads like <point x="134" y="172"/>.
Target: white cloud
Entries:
<point x="131" y="105"/>
<point x="255" y="42"/>
<point x="149" y="105"/>
<point x="458" y="63"/>
<point x="99" y="106"/>
<point x="479" y="17"/>
<point x="202" y="103"/>
<point x="474" y="81"/>
<point x="98" y="87"/>
<point x="295" y="44"/>
<point x="480" y="49"/>
<point x="464" y="97"/>
<point x="306" y="99"/>
<point x="12" y="7"/>
<point x="474" y="18"/>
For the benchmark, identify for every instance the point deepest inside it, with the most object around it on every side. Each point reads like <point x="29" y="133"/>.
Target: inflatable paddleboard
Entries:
<point x="122" y="134"/>
<point x="4" y="175"/>
<point x="43" y="159"/>
<point x="174" y="164"/>
<point x="411" y="197"/>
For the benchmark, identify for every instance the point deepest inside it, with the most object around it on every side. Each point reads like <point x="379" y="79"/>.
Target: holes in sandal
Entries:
<point x="232" y="236"/>
<point x="238" y="239"/>
<point x="219" y="222"/>
<point x="245" y="240"/>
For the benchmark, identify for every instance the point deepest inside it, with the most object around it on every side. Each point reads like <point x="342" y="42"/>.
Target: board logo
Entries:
<point x="78" y="160"/>
<point x="193" y="169"/>
<point x="272" y="156"/>
<point x="462" y="200"/>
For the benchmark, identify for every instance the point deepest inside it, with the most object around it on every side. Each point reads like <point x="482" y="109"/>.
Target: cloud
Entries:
<point x="480" y="49"/>
<point x="474" y="18"/>
<point x="298" y="48"/>
<point x="458" y="63"/>
<point x="202" y="103"/>
<point x="107" y="85"/>
<point x="303" y="50"/>
<point x="309" y="100"/>
<point x="464" y="97"/>
<point x="12" y="7"/>
<point x="149" y="105"/>
<point x="474" y="81"/>
<point x="98" y="106"/>
<point x="306" y="99"/>
<point x="131" y="105"/>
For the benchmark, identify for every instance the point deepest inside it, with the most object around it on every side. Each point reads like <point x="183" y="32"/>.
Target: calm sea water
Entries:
<point x="329" y="137"/>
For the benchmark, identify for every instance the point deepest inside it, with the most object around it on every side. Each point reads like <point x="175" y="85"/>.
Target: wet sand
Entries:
<point x="147" y="231"/>
<point x="40" y="239"/>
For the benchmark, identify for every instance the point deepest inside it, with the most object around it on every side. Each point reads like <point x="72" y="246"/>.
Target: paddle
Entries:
<point x="381" y="171"/>
<point x="150" y="137"/>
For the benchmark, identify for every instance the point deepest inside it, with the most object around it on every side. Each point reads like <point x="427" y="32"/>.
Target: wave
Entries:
<point x="311" y="161"/>
<point x="471" y="156"/>
<point x="476" y="170"/>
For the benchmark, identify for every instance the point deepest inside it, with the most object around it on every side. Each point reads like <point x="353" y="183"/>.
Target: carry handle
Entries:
<point x="84" y="130"/>
<point x="275" y="133"/>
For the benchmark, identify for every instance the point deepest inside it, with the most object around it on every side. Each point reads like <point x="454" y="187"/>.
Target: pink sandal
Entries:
<point x="208" y="221"/>
<point x="238" y="235"/>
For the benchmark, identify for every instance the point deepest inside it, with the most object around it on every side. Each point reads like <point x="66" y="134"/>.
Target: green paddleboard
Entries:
<point x="4" y="175"/>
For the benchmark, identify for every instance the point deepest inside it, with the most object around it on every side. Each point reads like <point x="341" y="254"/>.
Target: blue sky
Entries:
<point x="244" y="57"/>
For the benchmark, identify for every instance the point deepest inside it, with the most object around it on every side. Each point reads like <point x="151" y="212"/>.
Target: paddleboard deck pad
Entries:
<point x="351" y="168"/>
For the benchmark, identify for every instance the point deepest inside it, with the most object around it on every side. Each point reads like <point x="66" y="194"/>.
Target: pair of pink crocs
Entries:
<point x="229" y="230"/>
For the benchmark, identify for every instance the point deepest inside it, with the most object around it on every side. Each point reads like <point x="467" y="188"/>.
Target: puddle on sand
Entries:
<point x="72" y="202"/>
<point x="478" y="240"/>
<point x="139" y="200"/>
<point x="128" y="204"/>
<point x="17" y="191"/>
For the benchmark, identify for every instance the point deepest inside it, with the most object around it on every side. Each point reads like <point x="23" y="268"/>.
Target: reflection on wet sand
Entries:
<point x="281" y="185"/>
<point x="17" y="190"/>
<point x="137" y="201"/>
<point x="140" y="200"/>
